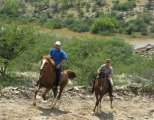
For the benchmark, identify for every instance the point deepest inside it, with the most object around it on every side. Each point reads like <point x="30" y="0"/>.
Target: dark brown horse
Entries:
<point x="102" y="87"/>
<point x="47" y="78"/>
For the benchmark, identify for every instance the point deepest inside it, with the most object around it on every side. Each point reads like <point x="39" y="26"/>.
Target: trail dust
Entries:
<point x="16" y="104"/>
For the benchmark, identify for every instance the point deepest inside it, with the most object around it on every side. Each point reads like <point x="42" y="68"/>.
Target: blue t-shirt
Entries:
<point x="58" y="55"/>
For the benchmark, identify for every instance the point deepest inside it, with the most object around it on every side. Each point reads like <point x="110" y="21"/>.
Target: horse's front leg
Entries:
<point x="111" y="99"/>
<point x="34" y="99"/>
<point x="96" y="104"/>
<point x="45" y="92"/>
<point x="100" y="106"/>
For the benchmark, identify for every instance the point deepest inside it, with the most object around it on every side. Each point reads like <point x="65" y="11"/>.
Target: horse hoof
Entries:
<point x="93" y="113"/>
<point x="43" y="96"/>
<point x="58" y="98"/>
<point x="51" y="106"/>
<point x="34" y="104"/>
<point x="43" y="101"/>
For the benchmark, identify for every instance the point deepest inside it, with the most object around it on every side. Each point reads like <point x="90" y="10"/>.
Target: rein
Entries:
<point x="104" y="77"/>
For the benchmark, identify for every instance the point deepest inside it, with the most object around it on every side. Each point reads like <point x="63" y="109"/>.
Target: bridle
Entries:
<point x="104" y="76"/>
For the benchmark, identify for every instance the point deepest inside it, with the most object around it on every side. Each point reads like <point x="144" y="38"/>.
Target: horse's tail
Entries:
<point x="70" y="74"/>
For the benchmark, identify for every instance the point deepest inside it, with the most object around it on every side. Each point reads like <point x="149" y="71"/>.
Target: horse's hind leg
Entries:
<point x="34" y="99"/>
<point x="60" y="92"/>
<point x="45" y="92"/>
<point x="55" y="95"/>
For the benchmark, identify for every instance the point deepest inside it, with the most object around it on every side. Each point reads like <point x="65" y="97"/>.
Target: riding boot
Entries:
<point x="93" y="85"/>
<point x="58" y="73"/>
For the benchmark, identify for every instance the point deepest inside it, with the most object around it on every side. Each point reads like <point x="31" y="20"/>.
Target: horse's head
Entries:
<point x="47" y="63"/>
<point x="103" y="75"/>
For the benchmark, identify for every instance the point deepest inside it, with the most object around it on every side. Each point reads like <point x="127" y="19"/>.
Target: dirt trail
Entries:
<point x="15" y="104"/>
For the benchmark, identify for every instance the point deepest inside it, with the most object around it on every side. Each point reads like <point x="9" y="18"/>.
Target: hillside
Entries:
<point x="80" y="15"/>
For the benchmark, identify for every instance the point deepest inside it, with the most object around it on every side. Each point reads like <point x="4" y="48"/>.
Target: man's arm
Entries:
<point x="111" y="72"/>
<point x="64" y="57"/>
<point x="51" y="52"/>
<point x="100" y="69"/>
<point x="62" y="62"/>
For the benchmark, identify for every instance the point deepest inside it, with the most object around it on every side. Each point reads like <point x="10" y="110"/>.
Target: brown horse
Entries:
<point x="47" y="78"/>
<point x="102" y="87"/>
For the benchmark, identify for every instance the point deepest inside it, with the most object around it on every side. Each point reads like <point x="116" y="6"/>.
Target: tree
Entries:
<point x="105" y="23"/>
<point x="13" y="42"/>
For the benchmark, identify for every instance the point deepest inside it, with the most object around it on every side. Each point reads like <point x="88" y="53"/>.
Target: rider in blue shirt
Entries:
<point x="58" y="55"/>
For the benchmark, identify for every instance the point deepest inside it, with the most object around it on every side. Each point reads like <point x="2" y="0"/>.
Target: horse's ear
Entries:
<point x="47" y="56"/>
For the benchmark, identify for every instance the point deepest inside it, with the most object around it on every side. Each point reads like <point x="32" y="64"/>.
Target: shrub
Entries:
<point x="105" y="23"/>
<point x="14" y="41"/>
<point x="146" y="17"/>
<point x="125" y="6"/>
<point x="135" y="26"/>
<point x="54" y="24"/>
<point x="152" y="28"/>
<point x="13" y="8"/>
<point x="150" y="5"/>
<point x="80" y="26"/>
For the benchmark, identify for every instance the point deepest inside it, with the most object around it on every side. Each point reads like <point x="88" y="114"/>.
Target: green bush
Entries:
<point x="69" y="21"/>
<point x="125" y="6"/>
<point x="150" y="5"/>
<point x="105" y="23"/>
<point x="13" y="8"/>
<point x="146" y="17"/>
<point x="152" y="28"/>
<point x="135" y="26"/>
<point x="54" y="24"/>
<point x="80" y="26"/>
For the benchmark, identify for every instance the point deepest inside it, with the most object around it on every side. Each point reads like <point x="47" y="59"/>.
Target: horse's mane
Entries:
<point x="48" y="57"/>
<point x="104" y="75"/>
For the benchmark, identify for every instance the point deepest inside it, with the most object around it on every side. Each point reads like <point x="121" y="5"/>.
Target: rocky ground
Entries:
<point x="76" y="104"/>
